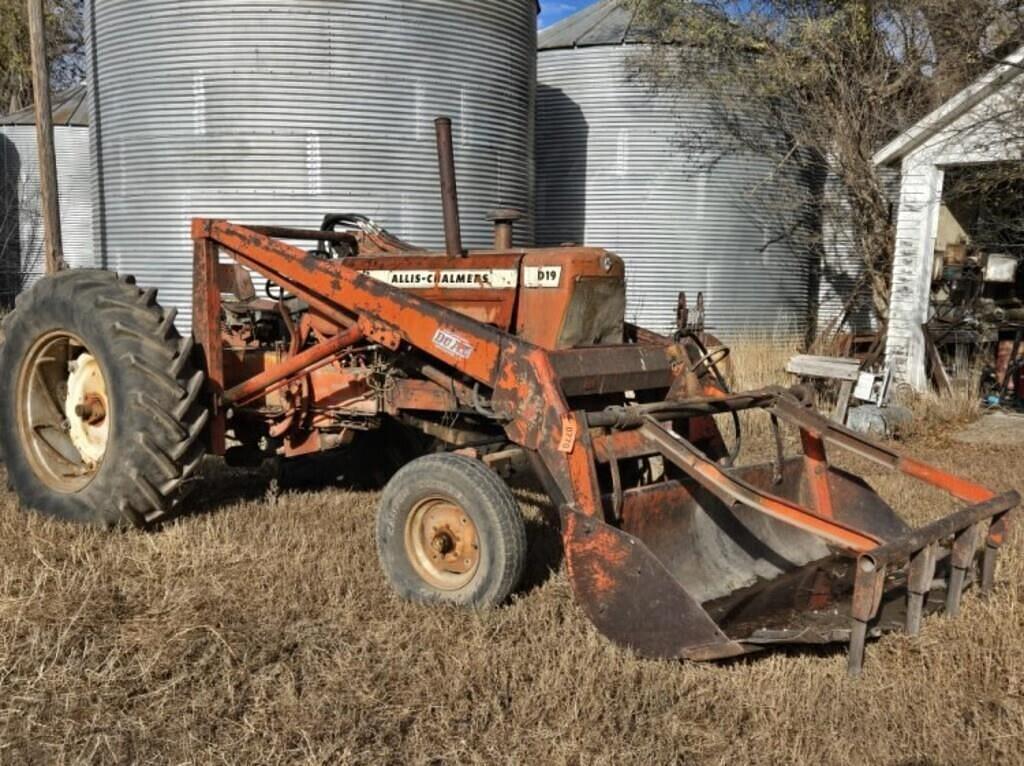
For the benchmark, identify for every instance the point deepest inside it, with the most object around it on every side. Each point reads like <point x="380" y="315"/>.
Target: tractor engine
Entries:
<point x="315" y="413"/>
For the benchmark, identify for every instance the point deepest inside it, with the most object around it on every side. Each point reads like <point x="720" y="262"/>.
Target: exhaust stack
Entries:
<point x="449" y="189"/>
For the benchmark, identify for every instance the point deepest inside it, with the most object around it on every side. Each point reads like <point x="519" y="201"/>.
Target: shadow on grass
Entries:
<point x="812" y="651"/>
<point x="223" y="487"/>
<point x="220" y="487"/>
<point x="543" y="543"/>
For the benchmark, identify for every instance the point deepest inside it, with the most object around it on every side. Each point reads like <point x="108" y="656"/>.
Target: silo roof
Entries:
<point x="70" y="108"/>
<point x="608" y="22"/>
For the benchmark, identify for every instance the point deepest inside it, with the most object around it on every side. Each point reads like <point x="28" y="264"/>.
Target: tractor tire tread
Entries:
<point x="158" y="412"/>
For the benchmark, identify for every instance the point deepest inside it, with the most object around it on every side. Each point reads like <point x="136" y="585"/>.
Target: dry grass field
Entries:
<point x="260" y="630"/>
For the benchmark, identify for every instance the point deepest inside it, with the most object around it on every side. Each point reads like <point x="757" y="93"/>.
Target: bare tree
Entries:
<point x="65" y="42"/>
<point x="968" y="37"/>
<point x="836" y="79"/>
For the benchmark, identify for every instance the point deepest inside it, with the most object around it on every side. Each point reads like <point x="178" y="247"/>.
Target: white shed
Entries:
<point x="968" y="130"/>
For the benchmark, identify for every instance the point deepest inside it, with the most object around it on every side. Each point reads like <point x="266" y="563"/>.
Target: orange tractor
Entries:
<point x="432" y="369"/>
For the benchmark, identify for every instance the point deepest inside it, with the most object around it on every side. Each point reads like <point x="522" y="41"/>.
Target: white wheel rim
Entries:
<point x="86" y="408"/>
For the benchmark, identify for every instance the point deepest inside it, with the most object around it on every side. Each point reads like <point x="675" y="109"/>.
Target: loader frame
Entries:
<point x="534" y="394"/>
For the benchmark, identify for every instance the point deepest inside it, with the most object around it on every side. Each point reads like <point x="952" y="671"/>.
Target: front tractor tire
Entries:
<point x="101" y="409"/>
<point x="450" y="531"/>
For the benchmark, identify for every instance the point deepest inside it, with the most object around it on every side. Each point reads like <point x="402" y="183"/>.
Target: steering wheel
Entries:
<point x="711" y="359"/>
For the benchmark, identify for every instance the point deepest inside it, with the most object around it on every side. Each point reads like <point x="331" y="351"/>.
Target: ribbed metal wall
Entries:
<point x="21" y="218"/>
<point x="279" y="111"/>
<point x="611" y="172"/>
<point x="845" y="298"/>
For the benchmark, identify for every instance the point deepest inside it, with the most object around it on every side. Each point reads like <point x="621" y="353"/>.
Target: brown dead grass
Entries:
<point x="757" y="360"/>
<point x="937" y="417"/>
<point x="261" y="631"/>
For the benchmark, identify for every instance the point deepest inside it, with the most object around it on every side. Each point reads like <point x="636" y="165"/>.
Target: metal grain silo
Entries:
<point x="21" y="218"/>
<point x="279" y="111"/>
<point x="845" y="295"/>
<point x="611" y="172"/>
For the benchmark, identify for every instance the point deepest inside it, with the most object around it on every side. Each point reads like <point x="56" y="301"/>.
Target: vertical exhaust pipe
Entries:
<point x="449" y="190"/>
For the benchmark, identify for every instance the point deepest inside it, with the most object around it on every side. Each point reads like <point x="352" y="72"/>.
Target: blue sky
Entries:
<point x="556" y="10"/>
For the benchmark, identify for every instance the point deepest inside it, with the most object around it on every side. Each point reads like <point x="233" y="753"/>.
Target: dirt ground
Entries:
<point x="259" y="630"/>
<point x="995" y="428"/>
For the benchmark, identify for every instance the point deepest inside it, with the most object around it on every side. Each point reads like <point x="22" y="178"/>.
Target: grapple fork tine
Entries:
<point x="858" y="637"/>
<point x="954" y="590"/>
<point x="922" y="572"/>
<point x="868" y="585"/>
<point x="964" y="545"/>
<point x="993" y="541"/>
<point x="988" y="567"/>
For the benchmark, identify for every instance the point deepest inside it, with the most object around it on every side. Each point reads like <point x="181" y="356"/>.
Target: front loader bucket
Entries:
<point x="709" y="564"/>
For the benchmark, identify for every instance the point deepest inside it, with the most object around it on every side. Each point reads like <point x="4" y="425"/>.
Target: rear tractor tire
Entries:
<point x="450" y="531"/>
<point x="101" y="409"/>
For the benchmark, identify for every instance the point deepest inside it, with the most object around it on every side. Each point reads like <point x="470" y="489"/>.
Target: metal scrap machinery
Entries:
<point x="427" y="371"/>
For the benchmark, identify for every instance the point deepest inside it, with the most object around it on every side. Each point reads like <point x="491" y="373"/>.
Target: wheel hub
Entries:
<point x="86" y="409"/>
<point x="442" y="543"/>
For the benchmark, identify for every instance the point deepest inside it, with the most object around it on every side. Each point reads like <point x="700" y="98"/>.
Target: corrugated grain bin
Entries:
<point x="613" y="171"/>
<point x="845" y="297"/>
<point x="21" y="216"/>
<point x="280" y="112"/>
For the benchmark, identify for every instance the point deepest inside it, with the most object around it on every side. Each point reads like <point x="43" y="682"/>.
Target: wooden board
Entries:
<point x="836" y="368"/>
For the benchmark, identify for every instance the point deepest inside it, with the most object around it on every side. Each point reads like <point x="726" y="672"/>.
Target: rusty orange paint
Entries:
<point x="334" y="289"/>
<point x="489" y="305"/>
<point x="206" y="303"/>
<point x="331" y="390"/>
<point x="960" y="488"/>
<point x="544" y="304"/>
<point x="582" y="472"/>
<point x="816" y="467"/>
<point x="803" y="518"/>
<point x="997" y="532"/>
<point x="408" y="394"/>
<point x="734" y="491"/>
<point x="505" y="340"/>
<point x="604" y="553"/>
<point x="295" y="367"/>
<point x="621" y="444"/>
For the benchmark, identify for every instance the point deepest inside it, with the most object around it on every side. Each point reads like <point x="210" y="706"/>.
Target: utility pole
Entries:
<point x="54" y="247"/>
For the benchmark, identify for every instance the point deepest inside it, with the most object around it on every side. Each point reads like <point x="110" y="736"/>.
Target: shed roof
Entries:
<point x="70" y="108"/>
<point x="608" y="22"/>
<point x="963" y="102"/>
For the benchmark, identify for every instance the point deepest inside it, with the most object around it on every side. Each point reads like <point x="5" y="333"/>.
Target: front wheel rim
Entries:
<point x="442" y="544"/>
<point x="63" y="411"/>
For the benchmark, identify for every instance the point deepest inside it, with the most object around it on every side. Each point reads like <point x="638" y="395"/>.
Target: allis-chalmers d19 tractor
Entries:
<point x="450" y="363"/>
